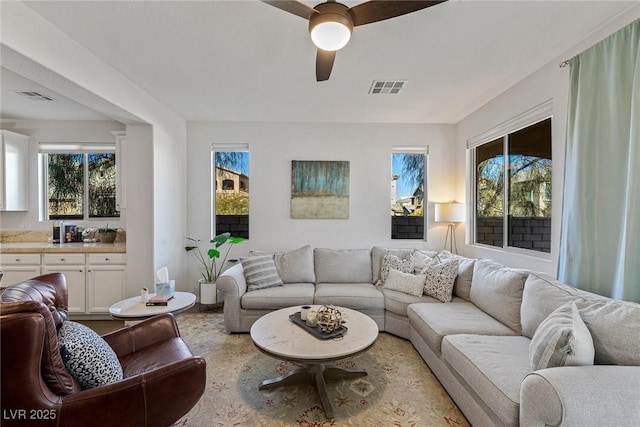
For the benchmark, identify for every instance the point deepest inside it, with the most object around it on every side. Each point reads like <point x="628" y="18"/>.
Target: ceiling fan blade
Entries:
<point x="374" y="11"/>
<point x="324" y="64"/>
<point x="293" y="6"/>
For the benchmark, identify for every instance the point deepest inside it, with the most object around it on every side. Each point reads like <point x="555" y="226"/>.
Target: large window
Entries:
<point x="513" y="189"/>
<point x="231" y="189"/>
<point x="408" y="193"/>
<point x="79" y="181"/>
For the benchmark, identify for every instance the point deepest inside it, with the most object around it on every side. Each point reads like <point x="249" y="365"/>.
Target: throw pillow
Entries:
<point x="260" y="272"/>
<point x="562" y="339"/>
<point x="404" y="282"/>
<point x="420" y="260"/>
<point x="393" y="262"/>
<point x="87" y="356"/>
<point x="439" y="279"/>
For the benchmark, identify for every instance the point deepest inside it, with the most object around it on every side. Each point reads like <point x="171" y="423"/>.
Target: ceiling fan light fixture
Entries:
<point x="331" y="28"/>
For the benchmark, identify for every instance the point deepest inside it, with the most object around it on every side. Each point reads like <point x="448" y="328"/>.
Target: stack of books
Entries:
<point x="159" y="300"/>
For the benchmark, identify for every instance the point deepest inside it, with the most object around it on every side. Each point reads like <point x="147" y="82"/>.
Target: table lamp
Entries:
<point x="451" y="213"/>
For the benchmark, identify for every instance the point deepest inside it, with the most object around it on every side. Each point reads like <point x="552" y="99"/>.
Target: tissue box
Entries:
<point x="167" y="288"/>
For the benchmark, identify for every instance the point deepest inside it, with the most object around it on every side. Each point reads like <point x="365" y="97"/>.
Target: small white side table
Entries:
<point x="133" y="310"/>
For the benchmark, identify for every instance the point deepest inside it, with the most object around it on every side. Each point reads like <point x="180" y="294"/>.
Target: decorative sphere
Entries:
<point x="328" y="318"/>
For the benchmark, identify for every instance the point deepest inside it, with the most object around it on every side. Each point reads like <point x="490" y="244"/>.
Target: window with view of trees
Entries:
<point x="513" y="189"/>
<point x="407" y="194"/>
<point x="80" y="185"/>
<point x="231" y="186"/>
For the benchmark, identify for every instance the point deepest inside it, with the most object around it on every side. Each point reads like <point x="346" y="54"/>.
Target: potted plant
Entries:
<point x="210" y="268"/>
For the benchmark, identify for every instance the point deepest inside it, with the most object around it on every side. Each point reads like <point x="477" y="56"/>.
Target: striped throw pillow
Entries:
<point x="260" y="272"/>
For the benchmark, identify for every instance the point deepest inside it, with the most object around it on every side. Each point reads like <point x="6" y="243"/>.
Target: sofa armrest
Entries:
<point x="581" y="396"/>
<point x="233" y="285"/>
<point x="148" y="332"/>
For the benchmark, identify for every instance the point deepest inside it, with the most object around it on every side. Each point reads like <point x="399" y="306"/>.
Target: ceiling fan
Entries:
<point x="331" y="23"/>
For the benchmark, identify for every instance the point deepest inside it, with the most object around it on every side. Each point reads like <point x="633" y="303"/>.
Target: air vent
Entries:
<point x="34" y="96"/>
<point x="385" y="87"/>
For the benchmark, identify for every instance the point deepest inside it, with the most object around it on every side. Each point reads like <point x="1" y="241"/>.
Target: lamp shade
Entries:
<point x="449" y="212"/>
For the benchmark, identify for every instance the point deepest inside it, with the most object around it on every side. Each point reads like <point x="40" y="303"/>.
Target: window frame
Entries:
<point x="413" y="150"/>
<point x="536" y="114"/>
<point x="225" y="147"/>
<point x="83" y="148"/>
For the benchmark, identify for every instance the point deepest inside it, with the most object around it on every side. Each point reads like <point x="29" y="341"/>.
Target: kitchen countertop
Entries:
<point x="45" y="247"/>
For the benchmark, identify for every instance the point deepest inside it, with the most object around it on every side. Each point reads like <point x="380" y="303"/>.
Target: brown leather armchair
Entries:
<point x="162" y="379"/>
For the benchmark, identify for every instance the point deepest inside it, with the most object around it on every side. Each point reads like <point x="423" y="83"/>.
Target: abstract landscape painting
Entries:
<point x="319" y="189"/>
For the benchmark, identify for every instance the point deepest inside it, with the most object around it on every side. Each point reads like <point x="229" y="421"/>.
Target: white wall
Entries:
<point x="550" y="82"/>
<point x="73" y="71"/>
<point x="54" y="131"/>
<point x="273" y="146"/>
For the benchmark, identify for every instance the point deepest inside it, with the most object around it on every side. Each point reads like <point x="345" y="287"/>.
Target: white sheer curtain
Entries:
<point x="600" y="236"/>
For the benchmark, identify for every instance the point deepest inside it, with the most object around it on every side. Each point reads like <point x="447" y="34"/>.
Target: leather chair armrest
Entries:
<point x="154" y="398"/>
<point x="148" y="332"/>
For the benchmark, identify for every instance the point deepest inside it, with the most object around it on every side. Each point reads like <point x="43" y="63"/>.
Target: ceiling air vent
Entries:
<point x="385" y="87"/>
<point x="34" y="96"/>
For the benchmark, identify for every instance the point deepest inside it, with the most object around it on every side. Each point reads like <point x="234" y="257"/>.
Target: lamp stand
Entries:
<point x="451" y="238"/>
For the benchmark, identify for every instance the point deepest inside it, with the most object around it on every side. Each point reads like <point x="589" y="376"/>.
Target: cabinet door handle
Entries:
<point x="89" y="271"/>
<point x="17" y="259"/>
<point x="62" y="260"/>
<point x="107" y="259"/>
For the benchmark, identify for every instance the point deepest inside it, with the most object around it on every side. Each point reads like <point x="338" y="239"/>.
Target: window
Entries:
<point x="513" y="189"/>
<point x="79" y="181"/>
<point x="231" y="189"/>
<point x="407" y="193"/>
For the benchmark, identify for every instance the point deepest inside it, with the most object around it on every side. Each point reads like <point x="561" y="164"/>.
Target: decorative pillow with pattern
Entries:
<point x="562" y="339"/>
<point x="404" y="282"/>
<point x="260" y="272"/>
<point x="440" y="277"/>
<point x="87" y="356"/>
<point x="393" y="262"/>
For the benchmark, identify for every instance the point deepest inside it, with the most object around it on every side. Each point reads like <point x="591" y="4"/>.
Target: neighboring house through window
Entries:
<point x="408" y="178"/>
<point x="231" y="189"/>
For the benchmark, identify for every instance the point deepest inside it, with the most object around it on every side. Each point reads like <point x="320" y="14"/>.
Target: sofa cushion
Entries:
<point x="342" y="266"/>
<point x="392" y="262"/>
<point x="405" y="282"/>
<point x="358" y="296"/>
<point x="278" y="297"/>
<point x="462" y="285"/>
<point x="493" y="366"/>
<point x="562" y="339"/>
<point x="435" y="321"/>
<point x="260" y="272"/>
<point x="541" y="296"/>
<point x="397" y="302"/>
<point x="295" y="266"/>
<point x="439" y="279"/>
<point x="378" y="253"/>
<point x="614" y="327"/>
<point x="497" y="290"/>
<point x="88" y="356"/>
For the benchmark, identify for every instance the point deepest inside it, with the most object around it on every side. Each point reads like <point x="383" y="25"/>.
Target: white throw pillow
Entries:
<point x="393" y="262"/>
<point x="420" y="260"/>
<point x="404" y="282"/>
<point x="439" y="279"/>
<point x="562" y="339"/>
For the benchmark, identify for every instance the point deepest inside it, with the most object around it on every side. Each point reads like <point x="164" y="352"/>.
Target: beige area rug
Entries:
<point x="398" y="391"/>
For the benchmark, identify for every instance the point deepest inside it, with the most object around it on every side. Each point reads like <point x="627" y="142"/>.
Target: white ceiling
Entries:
<point x="248" y="61"/>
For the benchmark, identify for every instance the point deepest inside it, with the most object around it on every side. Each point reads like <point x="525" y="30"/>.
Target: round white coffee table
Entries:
<point x="277" y="336"/>
<point x="134" y="310"/>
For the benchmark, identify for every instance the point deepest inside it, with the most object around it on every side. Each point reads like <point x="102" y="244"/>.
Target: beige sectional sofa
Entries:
<point x="483" y="344"/>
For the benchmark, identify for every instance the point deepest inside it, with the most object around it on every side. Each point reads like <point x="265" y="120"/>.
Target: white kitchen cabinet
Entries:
<point x="14" y="150"/>
<point x="73" y="268"/>
<point x="106" y="281"/>
<point x="19" y="267"/>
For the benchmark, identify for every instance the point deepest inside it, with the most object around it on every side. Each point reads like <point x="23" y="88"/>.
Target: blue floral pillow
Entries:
<point x="87" y="356"/>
